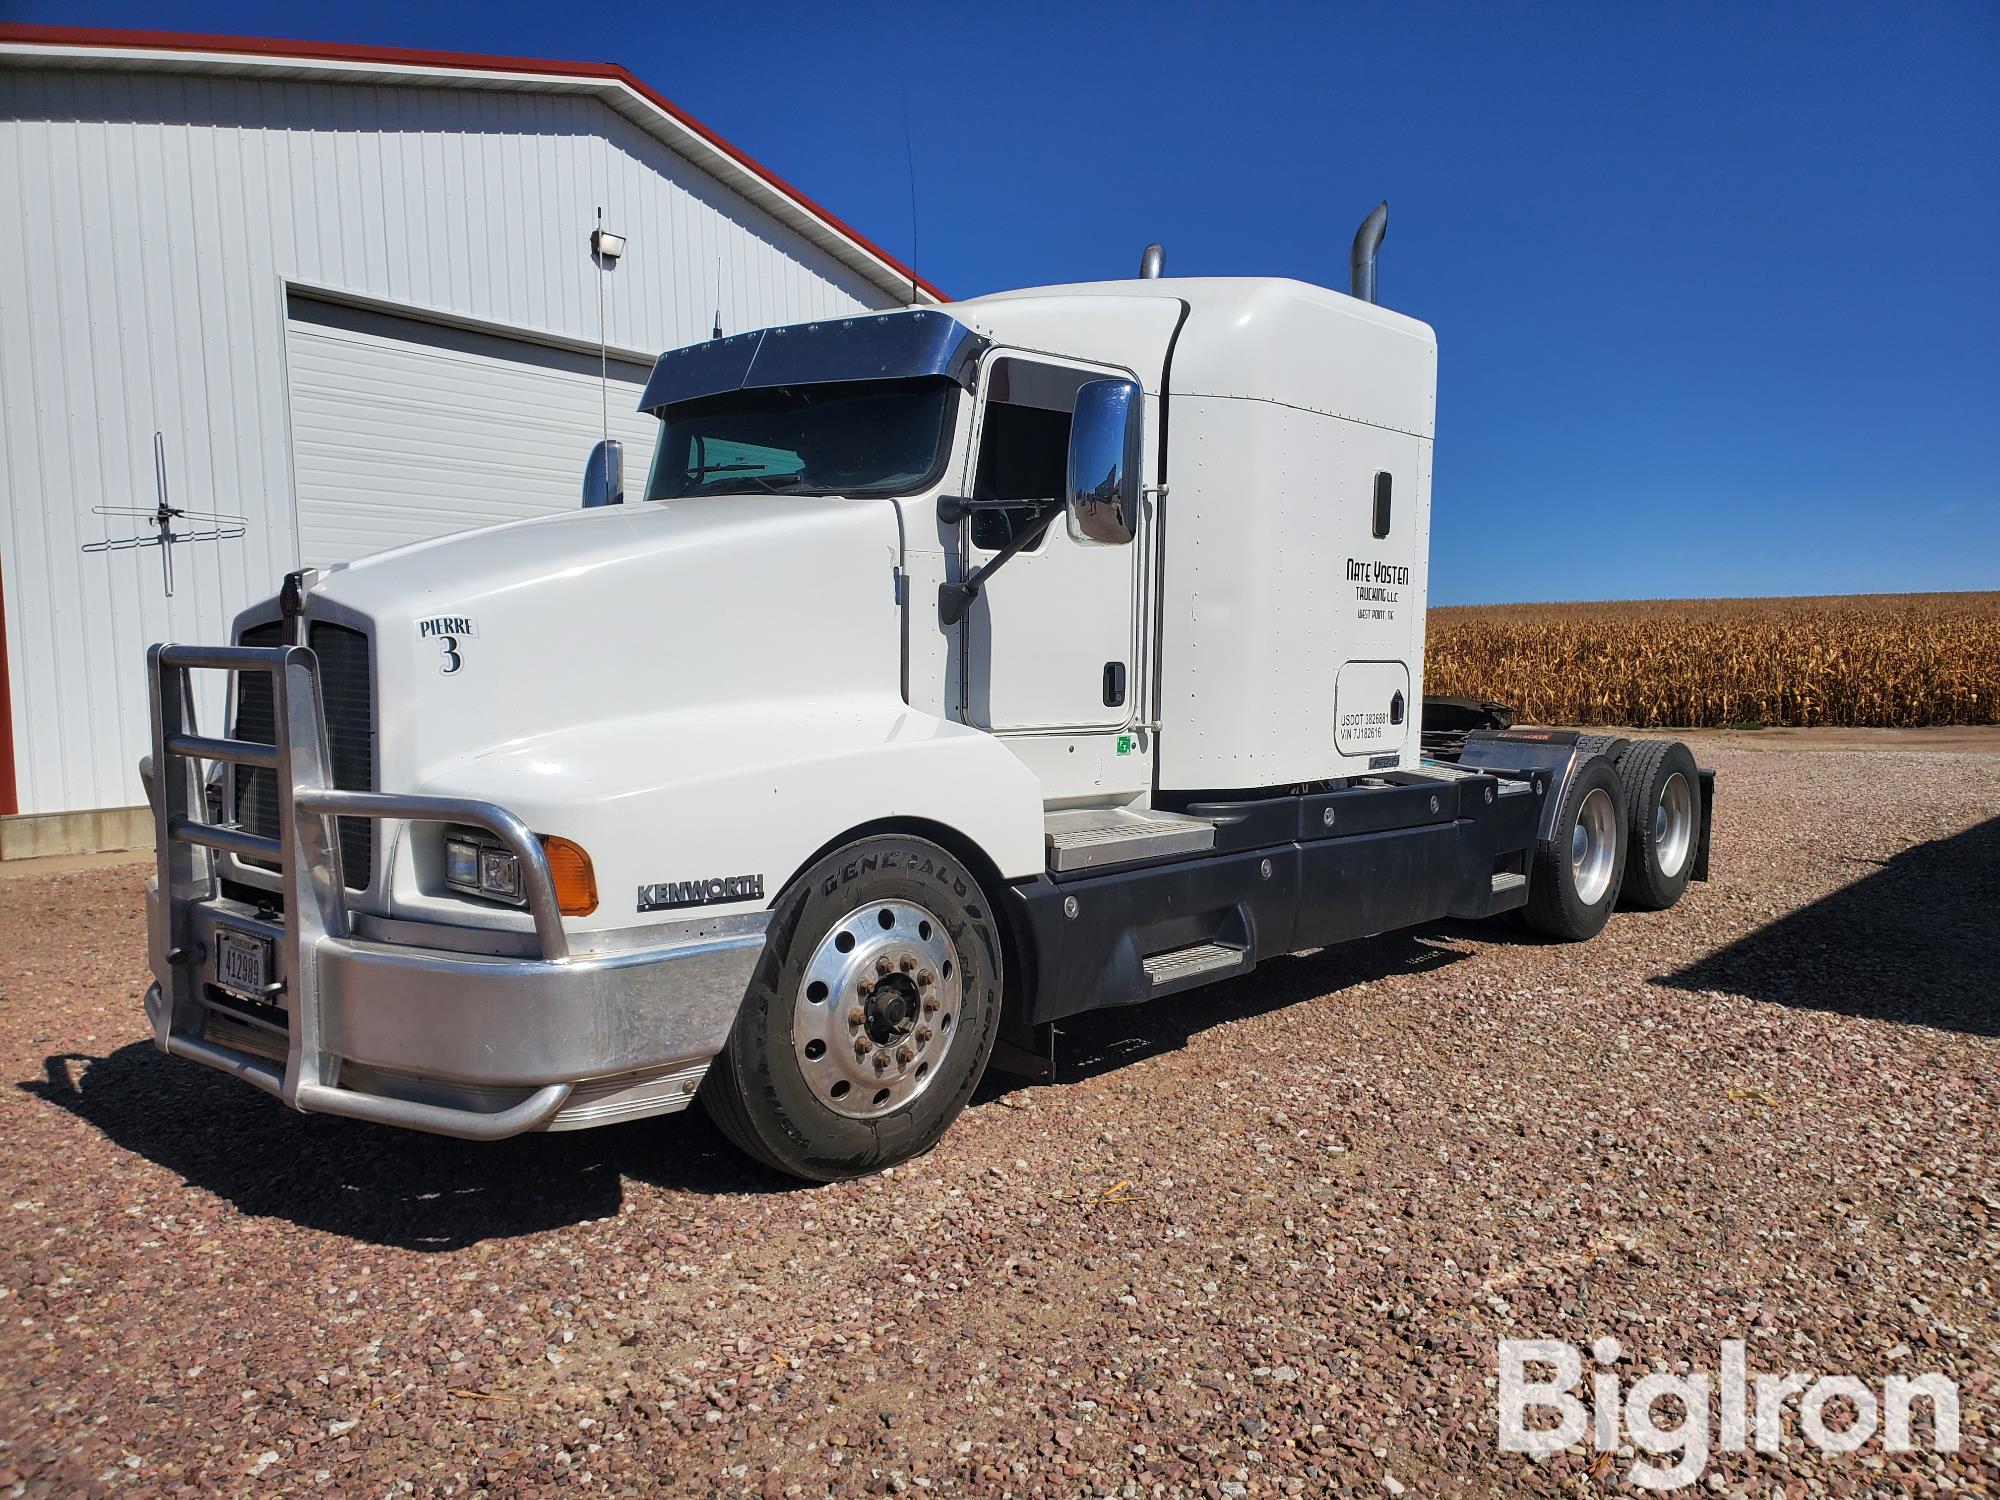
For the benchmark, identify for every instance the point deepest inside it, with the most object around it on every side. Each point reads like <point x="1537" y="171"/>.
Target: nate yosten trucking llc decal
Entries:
<point x="1378" y="587"/>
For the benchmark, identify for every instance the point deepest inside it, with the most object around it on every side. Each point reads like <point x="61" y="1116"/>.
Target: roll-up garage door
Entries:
<point x="404" y="430"/>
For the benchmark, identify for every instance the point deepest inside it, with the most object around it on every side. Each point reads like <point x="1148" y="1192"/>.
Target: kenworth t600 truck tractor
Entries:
<point x="954" y="671"/>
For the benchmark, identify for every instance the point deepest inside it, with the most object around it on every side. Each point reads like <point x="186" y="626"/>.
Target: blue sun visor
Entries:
<point x="872" y="346"/>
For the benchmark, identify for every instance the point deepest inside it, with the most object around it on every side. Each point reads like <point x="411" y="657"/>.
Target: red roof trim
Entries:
<point x="9" y="794"/>
<point x="477" y="62"/>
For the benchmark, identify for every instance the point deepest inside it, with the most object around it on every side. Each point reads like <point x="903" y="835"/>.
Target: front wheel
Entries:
<point x="1578" y="867"/>
<point x="871" y="1015"/>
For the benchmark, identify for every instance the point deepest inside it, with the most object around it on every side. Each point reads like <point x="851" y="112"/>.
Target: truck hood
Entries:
<point x="490" y="642"/>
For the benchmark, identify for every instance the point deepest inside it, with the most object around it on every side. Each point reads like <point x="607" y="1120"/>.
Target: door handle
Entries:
<point x="1114" y="684"/>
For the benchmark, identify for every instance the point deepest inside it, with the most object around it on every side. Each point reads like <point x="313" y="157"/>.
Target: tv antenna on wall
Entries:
<point x="215" y="526"/>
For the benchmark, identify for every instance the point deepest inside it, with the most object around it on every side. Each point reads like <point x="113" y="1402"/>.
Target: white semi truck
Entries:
<point x="955" y="671"/>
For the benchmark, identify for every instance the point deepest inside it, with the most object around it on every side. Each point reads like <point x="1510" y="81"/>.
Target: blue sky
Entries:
<point x="1717" y="287"/>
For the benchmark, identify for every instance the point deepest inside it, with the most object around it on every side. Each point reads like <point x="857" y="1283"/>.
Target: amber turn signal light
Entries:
<point x="575" y="881"/>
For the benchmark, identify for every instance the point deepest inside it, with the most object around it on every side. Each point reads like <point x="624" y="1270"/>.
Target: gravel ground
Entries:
<point x="1261" y="1239"/>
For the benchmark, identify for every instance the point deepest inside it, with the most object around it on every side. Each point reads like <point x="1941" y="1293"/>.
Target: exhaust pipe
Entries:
<point x="1153" y="263"/>
<point x="1361" y="260"/>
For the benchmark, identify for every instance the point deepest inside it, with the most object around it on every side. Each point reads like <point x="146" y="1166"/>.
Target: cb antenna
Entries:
<point x="910" y="161"/>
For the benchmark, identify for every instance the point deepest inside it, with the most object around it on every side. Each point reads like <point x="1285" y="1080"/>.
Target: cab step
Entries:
<point x="1505" y="882"/>
<point x="1178" y="964"/>
<point x="1090" y="838"/>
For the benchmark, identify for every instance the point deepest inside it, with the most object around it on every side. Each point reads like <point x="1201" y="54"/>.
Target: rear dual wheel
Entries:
<point x="1663" y="822"/>
<point x="871" y="1016"/>
<point x="1578" y="868"/>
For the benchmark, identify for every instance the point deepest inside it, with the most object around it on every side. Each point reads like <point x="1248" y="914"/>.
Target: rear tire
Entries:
<point x="1574" y="882"/>
<point x="1610" y="746"/>
<point x="1663" y="822"/>
<point x="870" y="1017"/>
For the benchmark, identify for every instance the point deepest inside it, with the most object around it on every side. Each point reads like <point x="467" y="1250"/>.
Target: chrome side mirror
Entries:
<point x="604" y="475"/>
<point x="1102" y="495"/>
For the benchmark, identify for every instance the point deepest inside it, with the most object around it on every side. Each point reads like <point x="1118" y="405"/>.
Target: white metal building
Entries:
<point x="354" y="291"/>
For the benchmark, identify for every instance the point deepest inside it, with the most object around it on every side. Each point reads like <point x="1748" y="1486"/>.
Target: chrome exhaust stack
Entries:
<point x="1153" y="264"/>
<point x="1361" y="260"/>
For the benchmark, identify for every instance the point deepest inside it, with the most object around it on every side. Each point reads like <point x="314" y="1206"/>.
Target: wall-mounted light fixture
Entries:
<point x="606" y="245"/>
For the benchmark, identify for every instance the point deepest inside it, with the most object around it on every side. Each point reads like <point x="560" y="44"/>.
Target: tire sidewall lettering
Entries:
<point x="943" y="873"/>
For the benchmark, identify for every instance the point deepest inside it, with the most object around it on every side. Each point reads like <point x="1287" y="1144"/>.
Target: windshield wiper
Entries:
<point x="771" y="484"/>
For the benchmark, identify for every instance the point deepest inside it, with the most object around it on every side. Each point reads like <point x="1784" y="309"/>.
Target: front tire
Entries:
<point x="1578" y="867"/>
<point x="1663" y="802"/>
<point x="871" y="1015"/>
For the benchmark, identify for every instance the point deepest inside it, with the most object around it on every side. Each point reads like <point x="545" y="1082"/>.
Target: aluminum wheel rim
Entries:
<point x="1673" y="824"/>
<point x="873" y="1019"/>
<point x="1593" y="845"/>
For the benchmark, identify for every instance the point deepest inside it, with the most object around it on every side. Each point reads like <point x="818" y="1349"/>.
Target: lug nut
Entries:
<point x="925" y="976"/>
<point x="903" y="1055"/>
<point x="856" y="1016"/>
<point x="882" y="1060"/>
<point x="883" y="966"/>
<point x="861" y="1046"/>
<point x="930" y="1002"/>
<point x="908" y="965"/>
<point x="864" y="988"/>
<point x="923" y="1035"/>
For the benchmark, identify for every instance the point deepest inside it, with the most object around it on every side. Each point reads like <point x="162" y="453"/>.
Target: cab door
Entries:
<point x="1053" y="642"/>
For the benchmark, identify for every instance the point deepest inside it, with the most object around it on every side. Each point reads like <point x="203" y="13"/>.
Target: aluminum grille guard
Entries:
<point x="308" y="855"/>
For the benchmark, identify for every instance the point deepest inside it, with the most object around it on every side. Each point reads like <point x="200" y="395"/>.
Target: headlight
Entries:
<point x="478" y="865"/>
<point x="483" y="869"/>
<point x="461" y="864"/>
<point x="500" y="874"/>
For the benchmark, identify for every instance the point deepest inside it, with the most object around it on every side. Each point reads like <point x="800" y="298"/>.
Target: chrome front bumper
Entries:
<point x="428" y="1038"/>
<point x="470" y="1046"/>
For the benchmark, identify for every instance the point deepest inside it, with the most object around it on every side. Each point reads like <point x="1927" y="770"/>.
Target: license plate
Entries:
<point x="243" y="964"/>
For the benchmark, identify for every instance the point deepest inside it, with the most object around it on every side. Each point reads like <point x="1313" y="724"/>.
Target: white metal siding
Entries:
<point x="402" y="432"/>
<point x="151" y="223"/>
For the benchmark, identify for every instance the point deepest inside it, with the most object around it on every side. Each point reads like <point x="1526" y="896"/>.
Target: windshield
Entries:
<point x="863" y="437"/>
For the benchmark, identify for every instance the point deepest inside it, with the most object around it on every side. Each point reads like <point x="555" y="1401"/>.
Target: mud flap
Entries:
<point x="1025" y="1051"/>
<point x="1707" y="777"/>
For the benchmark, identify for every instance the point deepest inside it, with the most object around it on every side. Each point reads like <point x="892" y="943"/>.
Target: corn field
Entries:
<point x="1879" y="660"/>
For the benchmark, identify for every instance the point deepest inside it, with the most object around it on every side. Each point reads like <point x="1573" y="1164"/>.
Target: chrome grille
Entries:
<point x="348" y="693"/>
<point x="255" y="791"/>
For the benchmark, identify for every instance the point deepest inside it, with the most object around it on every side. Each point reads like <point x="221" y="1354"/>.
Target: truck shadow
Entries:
<point x="429" y="1193"/>
<point x="367" y="1182"/>
<point x="1916" y="941"/>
